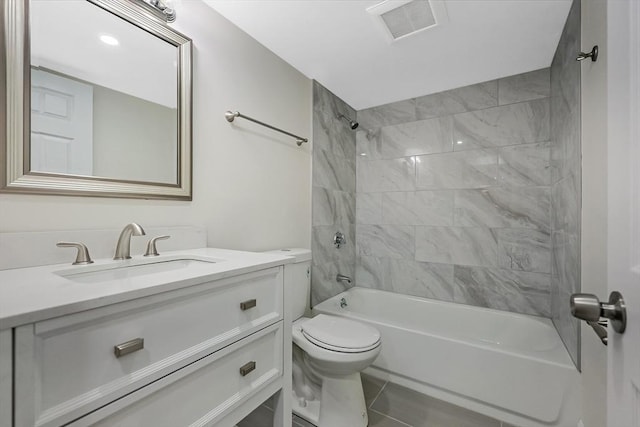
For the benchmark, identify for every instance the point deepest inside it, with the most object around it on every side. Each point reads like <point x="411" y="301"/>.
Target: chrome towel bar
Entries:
<point x="231" y="115"/>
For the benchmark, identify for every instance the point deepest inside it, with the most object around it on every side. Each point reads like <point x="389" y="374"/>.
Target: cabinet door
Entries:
<point x="67" y="367"/>
<point x="203" y="392"/>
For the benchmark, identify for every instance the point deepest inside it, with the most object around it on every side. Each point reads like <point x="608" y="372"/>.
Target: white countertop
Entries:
<point x="32" y="294"/>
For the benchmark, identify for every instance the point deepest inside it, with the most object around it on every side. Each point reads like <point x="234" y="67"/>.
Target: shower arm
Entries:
<point x="352" y="123"/>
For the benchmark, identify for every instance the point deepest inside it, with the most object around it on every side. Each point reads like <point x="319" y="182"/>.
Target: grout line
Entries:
<point x="379" y="393"/>
<point x="460" y="112"/>
<point x="478" y="148"/>
<point x="391" y="418"/>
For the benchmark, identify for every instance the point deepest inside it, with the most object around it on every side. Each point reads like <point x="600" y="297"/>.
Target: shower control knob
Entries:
<point x="588" y="307"/>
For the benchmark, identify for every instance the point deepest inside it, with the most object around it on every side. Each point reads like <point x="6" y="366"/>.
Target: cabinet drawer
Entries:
<point x="203" y="392"/>
<point x="66" y="367"/>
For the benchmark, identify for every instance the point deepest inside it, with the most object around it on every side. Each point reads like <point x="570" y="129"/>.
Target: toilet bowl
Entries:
<point x="336" y="346"/>
<point x="328" y="354"/>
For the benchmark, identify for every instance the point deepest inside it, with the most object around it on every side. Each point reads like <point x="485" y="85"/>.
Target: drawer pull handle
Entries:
<point x="128" y="347"/>
<point x="246" y="368"/>
<point x="246" y="305"/>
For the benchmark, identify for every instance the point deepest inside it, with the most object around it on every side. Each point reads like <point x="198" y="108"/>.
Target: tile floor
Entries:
<point x="391" y="405"/>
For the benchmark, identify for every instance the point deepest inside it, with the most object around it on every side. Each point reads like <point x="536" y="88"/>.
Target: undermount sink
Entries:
<point x="129" y="269"/>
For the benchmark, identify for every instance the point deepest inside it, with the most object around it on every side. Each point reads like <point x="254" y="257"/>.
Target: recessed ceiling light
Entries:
<point x="110" y="40"/>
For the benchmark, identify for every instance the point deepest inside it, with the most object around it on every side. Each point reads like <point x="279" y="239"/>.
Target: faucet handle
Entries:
<point x="82" y="257"/>
<point x="151" y="246"/>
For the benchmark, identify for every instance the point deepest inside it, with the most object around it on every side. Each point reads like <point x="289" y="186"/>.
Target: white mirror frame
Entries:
<point x="15" y="84"/>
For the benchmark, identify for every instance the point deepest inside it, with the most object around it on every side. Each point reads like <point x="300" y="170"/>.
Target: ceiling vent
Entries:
<point x="403" y="18"/>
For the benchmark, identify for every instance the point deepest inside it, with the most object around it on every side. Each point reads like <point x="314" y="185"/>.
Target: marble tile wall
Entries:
<point x="453" y="195"/>
<point x="566" y="181"/>
<point x="333" y="194"/>
<point x="469" y="195"/>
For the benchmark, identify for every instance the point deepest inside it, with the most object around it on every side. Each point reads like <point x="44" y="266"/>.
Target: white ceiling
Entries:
<point x="339" y="44"/>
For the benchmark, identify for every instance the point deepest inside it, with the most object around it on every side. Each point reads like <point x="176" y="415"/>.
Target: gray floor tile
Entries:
<point x="419" y="410"/>
<point x="379" y="420"/>
<point x="371" y="387"/>
<point x="392" y="405"/>
<point x="300" y="422"/>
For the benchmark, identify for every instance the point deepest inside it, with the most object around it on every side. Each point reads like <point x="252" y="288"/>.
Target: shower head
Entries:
<point x="352" y="123"/>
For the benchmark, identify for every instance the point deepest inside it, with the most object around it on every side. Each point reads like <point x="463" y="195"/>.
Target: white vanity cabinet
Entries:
<point x="6" y="366"/>
<point x="201" y="393"/>
<point x="187" y="357"/>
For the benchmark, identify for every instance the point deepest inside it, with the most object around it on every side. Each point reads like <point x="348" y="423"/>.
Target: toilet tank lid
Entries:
<point x="300" y="254"/>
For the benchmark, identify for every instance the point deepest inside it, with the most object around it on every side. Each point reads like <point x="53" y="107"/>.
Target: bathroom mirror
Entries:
<point x="98" y="101"/>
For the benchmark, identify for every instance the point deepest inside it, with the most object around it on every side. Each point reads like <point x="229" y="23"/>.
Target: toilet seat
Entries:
<point x="340" y="335"/>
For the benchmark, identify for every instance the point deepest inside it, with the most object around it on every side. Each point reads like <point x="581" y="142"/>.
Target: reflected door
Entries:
<point x="61" y="125"/>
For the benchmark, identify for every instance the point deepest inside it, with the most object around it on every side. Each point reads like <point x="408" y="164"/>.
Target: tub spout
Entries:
<point x="343" y="278"/>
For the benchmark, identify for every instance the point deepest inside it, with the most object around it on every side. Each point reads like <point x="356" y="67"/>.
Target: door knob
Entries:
<point x="588" y="307"/>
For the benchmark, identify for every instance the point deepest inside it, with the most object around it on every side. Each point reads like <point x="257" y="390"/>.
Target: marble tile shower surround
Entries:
<point x="453" y="195"/>
<point x="566" y="181"/>
<point x="333" y="194"/>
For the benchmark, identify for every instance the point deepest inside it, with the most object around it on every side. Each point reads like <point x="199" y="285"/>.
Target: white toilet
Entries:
<point x="328" y="354"/>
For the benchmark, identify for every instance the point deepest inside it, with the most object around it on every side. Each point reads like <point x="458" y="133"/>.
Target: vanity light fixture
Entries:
<point x="159" y="9"/>
<point x="110" y="40"/>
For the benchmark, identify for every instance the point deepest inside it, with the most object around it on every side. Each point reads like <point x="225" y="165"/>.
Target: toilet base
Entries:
<point x="309" y="410"/>
<point x="341" y="403"/>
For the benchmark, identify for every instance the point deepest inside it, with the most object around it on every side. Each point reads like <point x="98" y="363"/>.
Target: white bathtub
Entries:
<point x="508" y="366"/>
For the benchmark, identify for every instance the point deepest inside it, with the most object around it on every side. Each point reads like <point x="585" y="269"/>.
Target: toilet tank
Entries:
<point x="299" y="274"/>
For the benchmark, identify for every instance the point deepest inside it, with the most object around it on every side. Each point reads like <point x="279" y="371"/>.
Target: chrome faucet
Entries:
<point x="343" y="278"/>
<point x="123" y="248"/>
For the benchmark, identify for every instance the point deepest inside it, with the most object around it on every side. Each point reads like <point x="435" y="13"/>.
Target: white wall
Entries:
<point x="133" y="138"/>
<point x="252" y="187"/>
<point x="594" y="206"/>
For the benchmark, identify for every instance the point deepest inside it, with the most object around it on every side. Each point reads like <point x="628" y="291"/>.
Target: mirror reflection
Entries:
<point x="104" y="96"/>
